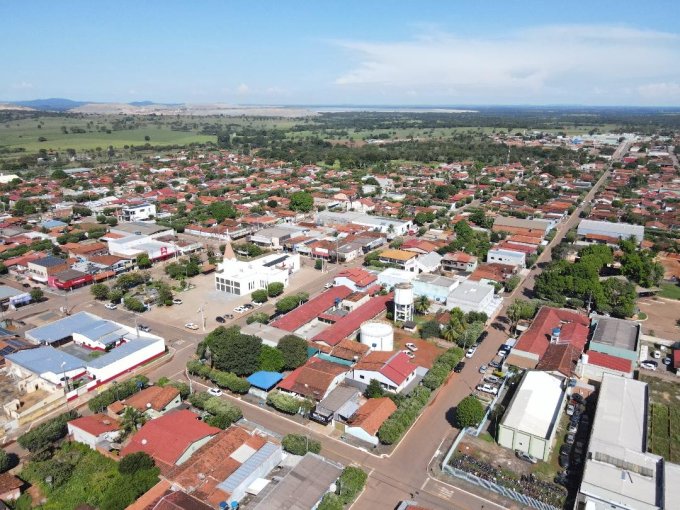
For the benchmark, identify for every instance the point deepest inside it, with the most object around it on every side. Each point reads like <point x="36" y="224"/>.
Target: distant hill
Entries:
<point x="152" y="103"/>
<point x="52" y="104"/>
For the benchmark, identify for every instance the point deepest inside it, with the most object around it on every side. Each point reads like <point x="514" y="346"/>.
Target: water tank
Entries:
<point x="379" y="336"/>
<point x="403" y="294"/>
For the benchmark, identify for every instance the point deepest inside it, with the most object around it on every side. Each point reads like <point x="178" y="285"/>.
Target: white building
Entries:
<point x="594" y="230"/>
<point x="389" y="226"/>
<point x="508" y="257"/>
<point x="138" y="212"/>
<point x="472" y="296"/>
<point x="393" y="370"/>
<point x="133" y="245"/>
<point x="241" y="278"/>
<point x="531" y="421"/>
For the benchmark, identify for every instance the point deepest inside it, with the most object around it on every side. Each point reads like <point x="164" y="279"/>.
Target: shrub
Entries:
<point x="283" y="402"/>
<point x="286" y="304"/>
<point x="294" y="350"/>
<point x="407" y="411"/>
<point x="318" y="265"/>
<point x="99" y="291"/>
<point x="261" y="317"/>
<point x="195" y="367"/>
<point x="224" y="413"/>
<point x="330" y="501"/>
<point x="352" y="481"/>
<point x="275" y="289"/>
<point x="134" y="462"/>
<point x="117" y="392"/>
<point x="134" y="305"/>
<point x="199" y="399"/>
<point x="430" y="329"/>
<point x="230" y="381"/>
<point x="259" y="296"/>
<point x="469" y="412"/>
<point x="298" y="444"/>
<point x="46" y="433"/>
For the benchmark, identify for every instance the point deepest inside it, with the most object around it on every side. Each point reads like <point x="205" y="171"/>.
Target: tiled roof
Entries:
<point x="560" y="358"/>
<point x="608" y="361"/>
<point x="395" y="366"/>
<point x="353" y="320"/>
<point x="95" y="424"/>
<point x="360" y="277"/>
<point x="574" y="330"/>
<point x="157" y="396"/>
<point x="397" y="255"/>
<point x="373" y="413"/>
<point x="9" y="482"/>
<point x="313" y="378"/>
<point x="311" y="309"/>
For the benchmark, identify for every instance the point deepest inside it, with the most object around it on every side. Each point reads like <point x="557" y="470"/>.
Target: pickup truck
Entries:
<point x="487" y="388"/>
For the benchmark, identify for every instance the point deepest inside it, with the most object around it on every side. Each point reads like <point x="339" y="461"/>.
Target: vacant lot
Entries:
<point x="664" y="420"/>
<point x="661" y="317"/>
<point x="670" y="291"/>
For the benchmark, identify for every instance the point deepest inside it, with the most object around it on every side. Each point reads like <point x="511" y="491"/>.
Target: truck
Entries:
<point x="505" y="349"/>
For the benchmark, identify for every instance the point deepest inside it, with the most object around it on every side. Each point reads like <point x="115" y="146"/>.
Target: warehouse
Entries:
<point x="530" y="423"/>
<point x="608" y="232"/>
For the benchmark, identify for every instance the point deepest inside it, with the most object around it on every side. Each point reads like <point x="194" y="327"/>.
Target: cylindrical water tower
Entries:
<point x="379" y="336"/>
<point x="403" y="302"/>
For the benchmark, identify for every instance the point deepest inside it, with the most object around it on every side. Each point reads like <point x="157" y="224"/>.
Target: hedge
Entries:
<point x="227" y="380"/>
<point x="330" y="501"/>
<point x="407" y="412"/>
<point x="223" y="413"/>
<point x="442" y="367"/>
<point x="298" y="444"/>
<point x="283" y="402"/>
<point x="118" y="391"/>
<point x="46" y="433"/>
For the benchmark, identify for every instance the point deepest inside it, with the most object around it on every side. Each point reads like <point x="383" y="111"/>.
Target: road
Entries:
<point x="404" y="474"/>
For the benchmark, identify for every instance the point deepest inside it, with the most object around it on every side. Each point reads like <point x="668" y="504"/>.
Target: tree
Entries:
<point x="259" y="296"/>
<point x="294" y="350"/>
<point x="143" y="261"/>
<point x="275" y="289"/>
<point x="469" y="412"/>
<point x="6" y="461"/>
<point x="232" y="351"/>
<point x="430" y="329"/>
<point x="3" y="268"/>
<point x="42" y="436"/>
<point x="422" y="305"/>
<point x="131" y="420"/>
<point x="471" y="334"/>
<point x="261" y="317"/>
<point x="352" y="481"/>
<point x="512" y="283"/>
<point x="520" y="309"/>
<point x="115" y="295"/>
<point x="37" y="295"/>
<point x="99" y="291"/>
<point x="318" y="264"/>
<point x="301" y="201"/>
<point x="134" y="305"/>
<point x="134" y="462"/>
<point x="271" y="359"/>
<point x="330" y="501"/>
<point x="374" y="390"/>
<point x="288" y="303"/>
<point x="298" y="444"/>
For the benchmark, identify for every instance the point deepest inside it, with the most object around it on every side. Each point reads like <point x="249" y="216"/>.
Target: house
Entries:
<point x="93" y="430"/>
<point x="471" y="296"/>
<point x="315" y="379"/>
<point x="551" y="329"/>
<point x="241" y="278"/>
<point x="429" y="262"/>
<point x="609" y="232"/>
<point x="355" y="278"/>
<point x="171" y="439"/>
<point x="153" y="401"/>
<point x="508" y="257"/>
<point x="41" y="269"/>
<point x="404" y="260"/>
<point x="340" y="405"/>
<point x="302" y="487"/>
<point x="393" y="370"/>
<point x="139" y="212"/>
<point x="531" y="421"/>
<point x="535" y="228"/>
<point x="262" y="382"/>
<point x="459" y="261"/>
<point x="307" y="312"/>
<point x="365" y="423"/>
<point x="10" y="487"/>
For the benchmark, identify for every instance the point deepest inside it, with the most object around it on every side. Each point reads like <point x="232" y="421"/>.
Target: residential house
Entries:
<point x="366" y="422"/>
<point x="402" y="259"/>
<point x="314" y="380"/>
<point x="94" y="430"/>
<point x="459" y="261"/>
<point x="154" y="401"/>
<point x="393" y="370"/>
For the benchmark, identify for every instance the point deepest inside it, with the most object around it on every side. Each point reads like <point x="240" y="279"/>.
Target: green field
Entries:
<point x="670" y="291"/>
<point x="25" y="134"/>
<point x="664" y="419"/>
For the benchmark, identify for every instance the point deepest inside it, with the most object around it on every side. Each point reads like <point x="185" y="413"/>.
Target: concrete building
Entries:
<point x="40" y="270"/>
<point x="472" y="296"/>
<point x="139" y="212"/>
<point x="369" y="417"/>
<point x="94" y="430"/>
<point x="274" y="237"/>
<point x="436" y="288"/>
<point x="459" y="261"/>
<point x="392" y="276"/>
<point x="608" y="232"/>
<point x="243" y="277"/>
<point x="131" y="246"/>
<point x="355" y="278"/>
<point x="619" y="473"/>
<point x="393" y="370"/>
<point x="404" y="260"/>
<point x="339" y="406"/>
<point x="616" y="337"/>
<point x="531" y="421"/>
<point x="390" y="226"/>
<point x="535" y="228"/>
<point x="508" y="257"/>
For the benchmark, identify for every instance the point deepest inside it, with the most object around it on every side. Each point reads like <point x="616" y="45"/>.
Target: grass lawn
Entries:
<point x="664" y="420"/>
<point x="670" y="291"/>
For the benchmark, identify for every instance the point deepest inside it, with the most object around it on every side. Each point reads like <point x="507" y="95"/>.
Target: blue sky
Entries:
<point x="425" y="52"/>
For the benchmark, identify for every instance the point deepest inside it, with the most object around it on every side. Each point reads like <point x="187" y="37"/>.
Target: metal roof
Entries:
<point x="616" y="332"/>
<point x="265" y="380"/>
<point x="8" y="292"/>
<point x="120" y="352"/>
<point x="248" y="467"/>
<point x="46" y="359"/>
<point x="84" y="323"/>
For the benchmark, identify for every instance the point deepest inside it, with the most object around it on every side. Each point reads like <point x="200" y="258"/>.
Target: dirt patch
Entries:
<point x="495" y="455"/>
<point x="426" y="353"/>
<point x="661" y="317"/>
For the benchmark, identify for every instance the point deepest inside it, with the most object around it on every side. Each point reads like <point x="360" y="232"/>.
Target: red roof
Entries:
<point x="311" y="309"/>
<point x="395" y="366"/>
<point x="360" y="277"/>
<point x="574" y="329"/>
<point x="676" y="358"/>
<point x="373" y="413"/>
<point x="608" y="361"/>
<point x="168" y="437"/>
<point x="353" y="320"/>
<point x="95" y="424"/>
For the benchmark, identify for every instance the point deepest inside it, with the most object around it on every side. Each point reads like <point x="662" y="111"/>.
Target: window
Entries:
<point x="361" y="377"/>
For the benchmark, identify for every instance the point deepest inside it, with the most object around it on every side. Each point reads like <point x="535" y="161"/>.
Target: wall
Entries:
<point x="360" y="433"/>
<point x="127" y="363"/>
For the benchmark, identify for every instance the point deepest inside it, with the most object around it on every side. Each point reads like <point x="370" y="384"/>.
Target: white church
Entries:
<point x="243" y="277"/>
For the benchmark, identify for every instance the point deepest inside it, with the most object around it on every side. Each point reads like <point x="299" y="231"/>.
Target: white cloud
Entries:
<point x="663" y="92"/>
<point x="562" y="63"/>
<point x="22" y="85"/>
<point x="242" y="89"/>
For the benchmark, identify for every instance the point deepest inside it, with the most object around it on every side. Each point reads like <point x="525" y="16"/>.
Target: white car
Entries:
<point x="239" y="309"/>
<point x="110" y="306"/>
<point x="411" y="347"/>
<point x="215" y="392"/>
<point x="470" y="352"/>
<point x="328" y="285"/>
<point x="191" y="325"/>
<point x="176" y="301"/>
<point x="649" y="364"/>
<point x="409" y="353"/>
<point x="570" y="410"/>
<point x="656" y="354"/>
<point x="492" y="379"/>
<point x="487" y="388"/>
<point x="483" y="369"/>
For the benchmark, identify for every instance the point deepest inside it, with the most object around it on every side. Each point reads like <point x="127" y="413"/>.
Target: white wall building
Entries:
<point x="509" y="257"/>
<point x="472" y="296"/>
<point x="138" y="212"/>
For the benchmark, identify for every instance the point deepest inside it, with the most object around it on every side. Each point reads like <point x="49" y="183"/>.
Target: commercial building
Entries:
<point x="312" y="309"/>
<point x="274" y="237"/>
<point x="434" y="287"/>
<point x="472" y="296"/>
<point x="619" y="473"/>
<point x="139" y="212"/>
<point x="404" y="260"/>
<point x="508" y="257"/>
<point x="608" y="232"/>
<point x="534" y="228"/>
<point x="133" y="245"/>
<point x="41" y="269"/>
<point x="616" y="337"/>
<point x="531" y="421"/>
<point x="243" y="277"/>
<point x="390" y="226"/>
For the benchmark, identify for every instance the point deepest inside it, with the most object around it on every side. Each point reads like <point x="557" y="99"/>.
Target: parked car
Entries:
<point x="191" y="325"/>
<point x="570" y="439"/>
<point x="239" y="309"/>
<point x="215" y="392"/>
<point x="570" y="409"/>
<point x="471" y="352"/>
<point x="409" y="353"/>
<point x="220" y="319"/>
<point x="26" y="285"/>
<point x="572" y="428"/>
<point x="562" y="478"/>
<point x="248" y="306"/>
<point x="459" y="367"/>
<point x="483" y="369"/>
<point x="494" y="364"/>
<point x="578" y="398"/>
<point x="177" y="301"/>
<point x="144" y="328"/>
<point x="667" y="361"/>
<point x="492" y="379"/>
<point x="328" y="285"/>
<point x="564" y="461"/>
<point x="656" y="354"/>
<point x="526" y="457"/>
<point x="411" y="347"/>
<point x="487" y="388"/>
<point x="649" y="364"/>
<point x="110" y="306"/>
<point x="565" y="449"/>
<point x="585" y="420"/>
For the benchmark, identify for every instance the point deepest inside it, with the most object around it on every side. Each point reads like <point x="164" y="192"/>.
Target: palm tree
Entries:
<point x="422" y="305"/>
<point x="132" y="419"/>
<point x="450" y="333"/>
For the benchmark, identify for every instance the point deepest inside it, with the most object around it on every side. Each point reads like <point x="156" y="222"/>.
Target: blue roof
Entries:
<point x="45" y="359"/>
<point x="53" y="224"/>
<point x="265" y="380"/>
<point x="248" y="467"/>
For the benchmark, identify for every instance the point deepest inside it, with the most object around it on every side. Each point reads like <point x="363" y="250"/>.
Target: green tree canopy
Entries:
<point x="301" y="201"/>
<point x="294" y="351"/>
<point x="469" y="412"/>
<point x="232" y="351"/>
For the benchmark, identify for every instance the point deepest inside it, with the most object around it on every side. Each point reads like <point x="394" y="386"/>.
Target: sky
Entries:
<point x="327" y="52"/>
